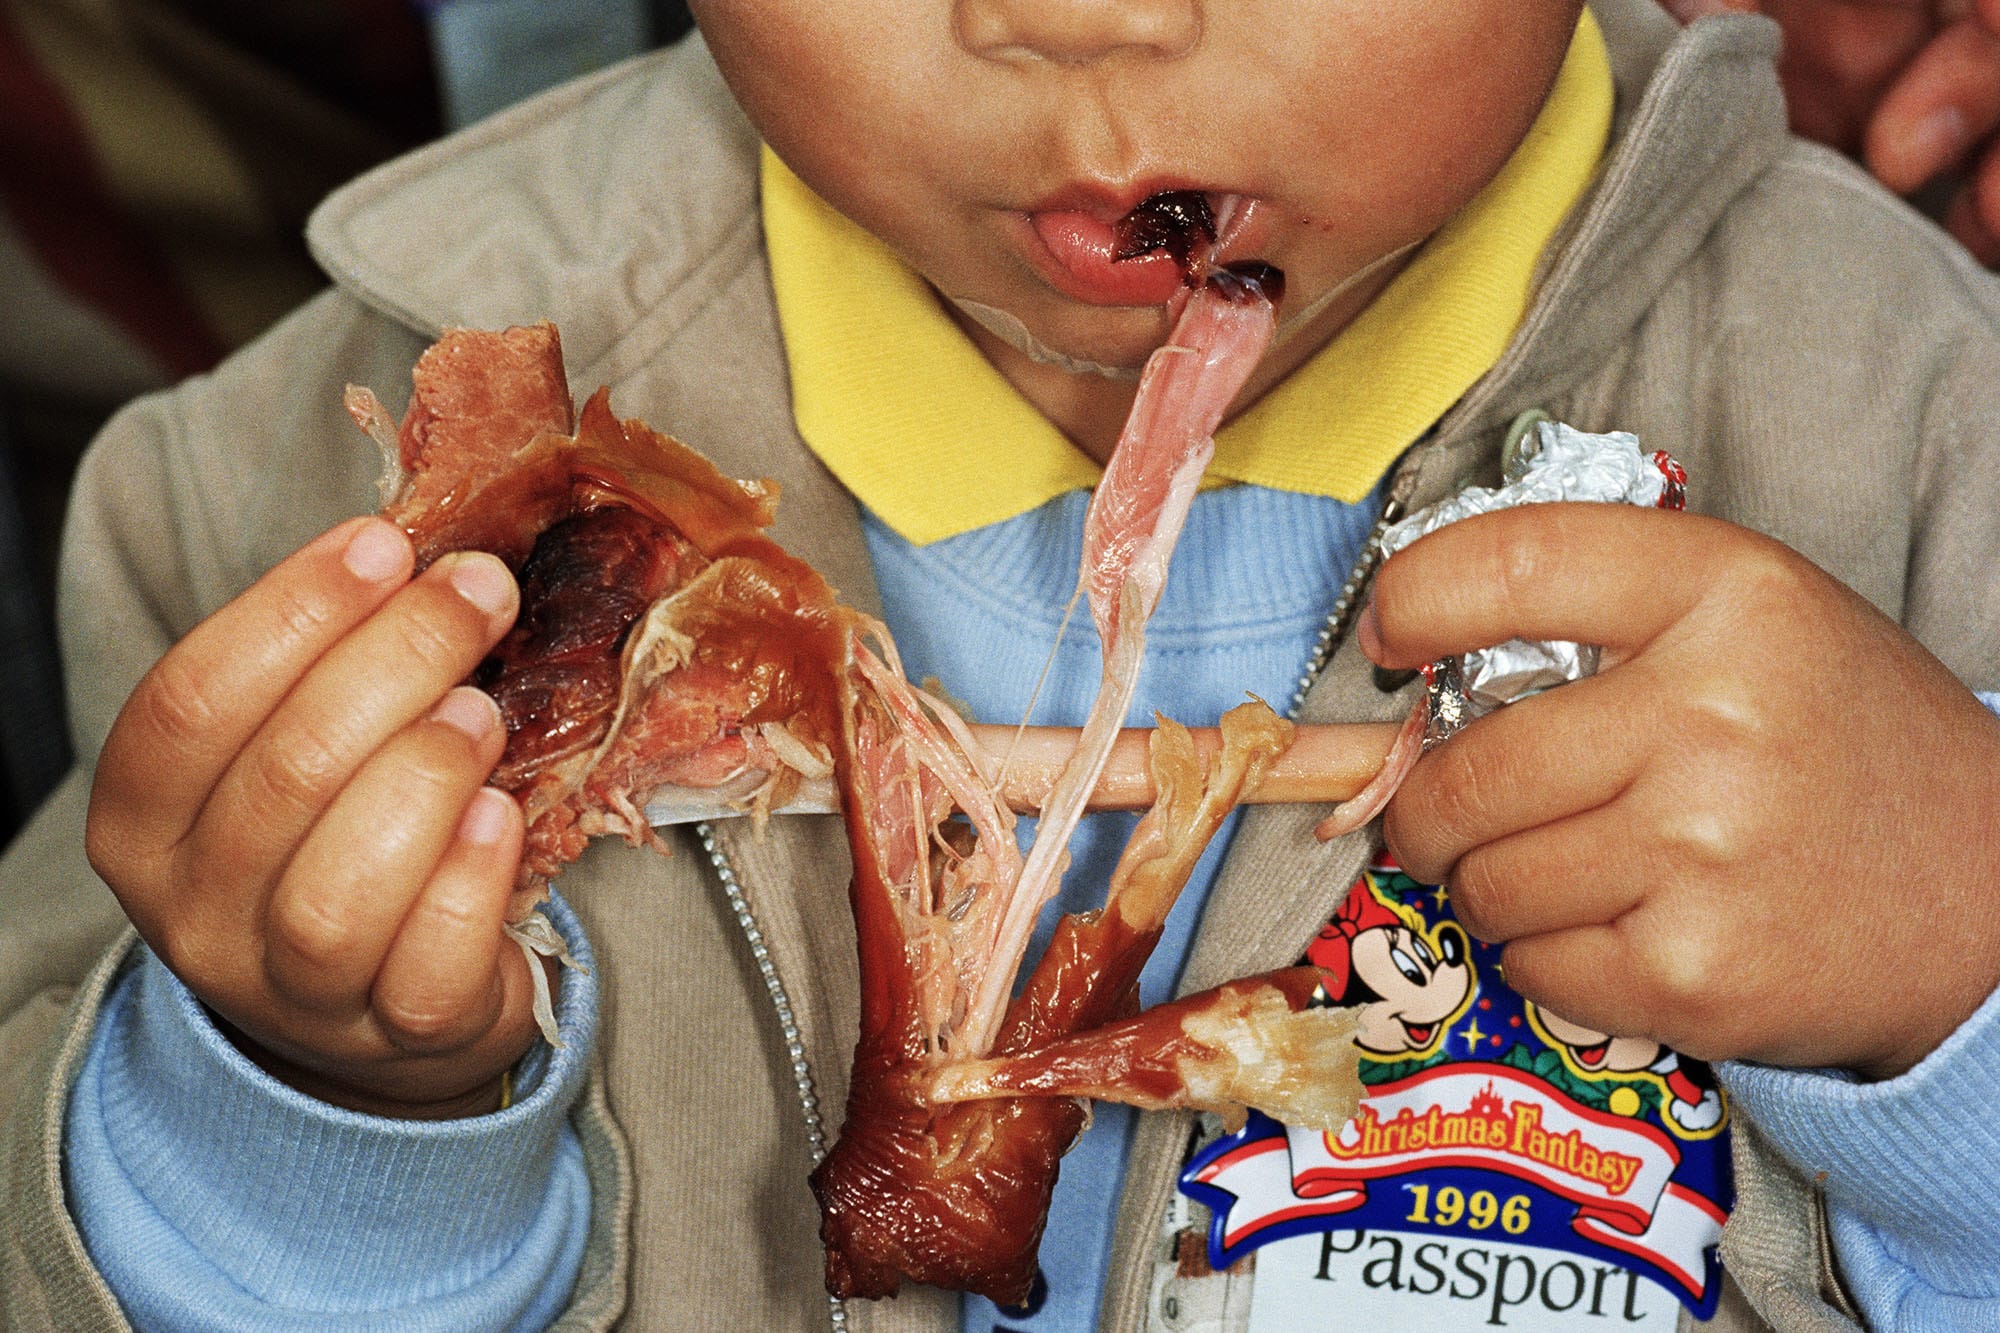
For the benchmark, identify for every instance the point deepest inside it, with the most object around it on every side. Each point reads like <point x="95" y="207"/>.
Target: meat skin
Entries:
<point x="585" y="582"/>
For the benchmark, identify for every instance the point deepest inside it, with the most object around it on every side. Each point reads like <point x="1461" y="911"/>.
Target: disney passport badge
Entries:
<point x="1507" y="1167"/>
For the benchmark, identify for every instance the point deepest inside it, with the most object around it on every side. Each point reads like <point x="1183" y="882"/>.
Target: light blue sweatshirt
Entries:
<point x="176" y="1205"/>
<point x="213" y="1197"/>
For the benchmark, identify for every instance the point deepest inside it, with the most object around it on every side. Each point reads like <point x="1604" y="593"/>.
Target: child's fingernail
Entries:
<point x="467" y="710"/>
<point x="484" y="582"/>
<point x="485" y="820"/>
<point x="1368" y="633"/>
<point x="375" y="552"/>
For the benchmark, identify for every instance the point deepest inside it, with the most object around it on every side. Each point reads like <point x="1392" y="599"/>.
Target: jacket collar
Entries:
<point x="572" y="206"/>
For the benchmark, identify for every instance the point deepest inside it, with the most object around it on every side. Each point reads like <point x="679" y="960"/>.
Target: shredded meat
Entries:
<point x="638" y="561"/>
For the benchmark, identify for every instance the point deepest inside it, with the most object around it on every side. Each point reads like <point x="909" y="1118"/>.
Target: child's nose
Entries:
<point x="1077" y="31"/>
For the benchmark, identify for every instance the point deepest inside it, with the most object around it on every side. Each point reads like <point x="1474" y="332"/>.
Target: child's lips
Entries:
<point x="1072" y="240"/>
<point x="1078" y="254"/>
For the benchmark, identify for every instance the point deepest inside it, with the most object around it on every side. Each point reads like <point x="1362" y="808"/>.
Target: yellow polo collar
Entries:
<point x="899" y="403"/>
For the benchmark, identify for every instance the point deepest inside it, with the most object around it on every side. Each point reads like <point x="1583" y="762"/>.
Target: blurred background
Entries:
<point x="158" y="159"/>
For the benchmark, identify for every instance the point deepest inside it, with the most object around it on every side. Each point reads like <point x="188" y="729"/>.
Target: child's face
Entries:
<point x="987" y="141"/>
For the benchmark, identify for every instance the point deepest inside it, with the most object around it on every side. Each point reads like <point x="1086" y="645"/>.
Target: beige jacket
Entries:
<point x="1827" y="365"/>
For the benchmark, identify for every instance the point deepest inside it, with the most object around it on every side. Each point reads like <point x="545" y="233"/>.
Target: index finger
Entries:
<point x="202" y="701"/>
<point x="1613" y="575"/>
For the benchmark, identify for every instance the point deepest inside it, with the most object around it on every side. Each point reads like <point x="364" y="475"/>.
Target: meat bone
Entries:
<point x="1327" y="763"/>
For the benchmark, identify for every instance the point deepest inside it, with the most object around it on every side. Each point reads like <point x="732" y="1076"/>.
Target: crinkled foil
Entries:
<point x="1552" y="462"/>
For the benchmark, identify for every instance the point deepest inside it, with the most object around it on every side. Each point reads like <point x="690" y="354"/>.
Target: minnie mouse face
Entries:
<point x="1409" y="982"/>
<point x="1408" y="988"/>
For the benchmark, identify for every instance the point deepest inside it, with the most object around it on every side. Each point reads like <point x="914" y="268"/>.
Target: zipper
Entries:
<point x="1352" y="593"/>
<point x="802" y="1079"/>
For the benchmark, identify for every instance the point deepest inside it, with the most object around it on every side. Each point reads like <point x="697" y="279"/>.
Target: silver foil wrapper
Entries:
<point x="1545" y="463"/>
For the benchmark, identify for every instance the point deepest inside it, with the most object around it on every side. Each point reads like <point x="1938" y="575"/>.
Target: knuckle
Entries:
<point x="303" y="772"/>
<point x="439" y="638"/>
<point x="308" y="931"/>
<point x="1732" y="742"/>
<point x="1710" y="816"/>
<point x="301" y="617"/>
<point x="1764" y="577"/>
<point x="1682" y="963"/>
<point x="423" y="1024"/>
<point x="426" y="1020"/>
<point x="1727" y="717"/>
<point x="449" y="916"/>
<point x="434" y="772"/>
<point x="1710" y="837"/>
<point x="1520" y="552"/>
<point x="174" y="704"/>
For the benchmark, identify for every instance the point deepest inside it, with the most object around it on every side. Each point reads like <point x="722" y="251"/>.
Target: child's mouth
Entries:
<point x="1144" y="256"/>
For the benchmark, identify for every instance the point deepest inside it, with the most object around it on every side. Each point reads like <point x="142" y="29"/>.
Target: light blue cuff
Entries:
<point x="212" y="1196"/>
<point x="1911" y="1171"/>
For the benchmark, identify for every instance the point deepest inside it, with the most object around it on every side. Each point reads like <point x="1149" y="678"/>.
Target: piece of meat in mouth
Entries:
<point x="1172" y="222"/>
<point x="1182" y="225"/>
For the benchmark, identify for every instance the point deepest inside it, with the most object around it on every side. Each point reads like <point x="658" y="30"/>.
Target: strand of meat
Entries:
<point x="1135" y="518"/>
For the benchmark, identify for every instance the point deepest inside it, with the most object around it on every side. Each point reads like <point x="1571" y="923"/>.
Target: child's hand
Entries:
<point x="1768" y="829"/>
<point x="290" y="808"/>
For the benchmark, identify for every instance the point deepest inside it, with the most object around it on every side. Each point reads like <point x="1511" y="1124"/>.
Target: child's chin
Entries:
<point x="1114" y="336"/>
